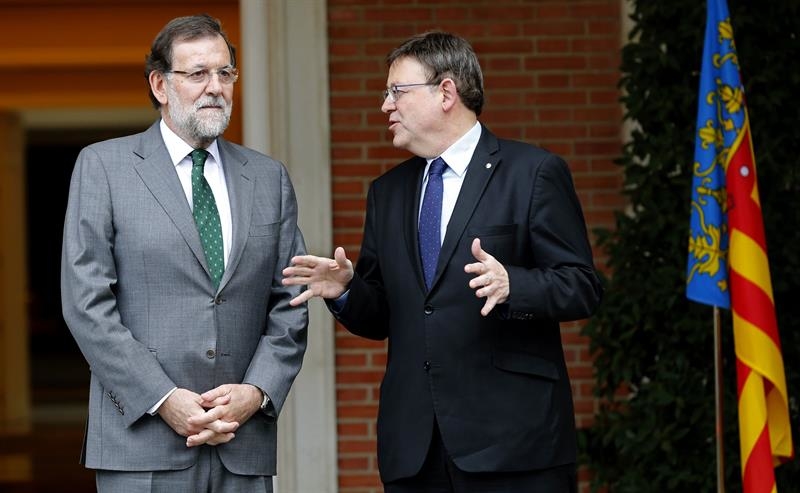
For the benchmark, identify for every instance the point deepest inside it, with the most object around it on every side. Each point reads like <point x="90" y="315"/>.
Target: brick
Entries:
<point x="560" y="63"/>
<point x="357" y="446"/>
<point x="351" y="359"/>
<point x="347" y="188"/>
<point x="340" y="238"/>
<point x="351" y="170"/>
<point x="451" y="14"/>
<point x="354" y="342"/>
<point x="347" y="480"/>
<point x="357" y="411"/>
<point x="555" y="28"/>
<point x="348" y="222"/>
<point x="504" y="12"/>
<point x="516" y="46"/>
<point x="350" y="395"/>
<point x="354" y="464"/>
<point x="510" y="64"/>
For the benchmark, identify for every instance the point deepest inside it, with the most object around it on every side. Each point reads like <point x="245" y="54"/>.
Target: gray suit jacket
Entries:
<point x="139" y="300"/>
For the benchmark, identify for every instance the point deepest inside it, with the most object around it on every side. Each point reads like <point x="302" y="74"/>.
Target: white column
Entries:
<point x="284" y="62"/>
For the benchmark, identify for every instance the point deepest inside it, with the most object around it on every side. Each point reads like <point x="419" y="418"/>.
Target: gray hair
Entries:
<point x="446" y="55"/>
<point x="181" y="29"/>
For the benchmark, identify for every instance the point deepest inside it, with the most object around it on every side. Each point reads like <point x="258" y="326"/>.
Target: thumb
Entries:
<point x="341" y="258"/>
<point x="477" y="251"/>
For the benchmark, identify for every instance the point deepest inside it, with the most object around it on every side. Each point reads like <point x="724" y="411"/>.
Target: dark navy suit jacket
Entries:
<point x="496" y="385"/>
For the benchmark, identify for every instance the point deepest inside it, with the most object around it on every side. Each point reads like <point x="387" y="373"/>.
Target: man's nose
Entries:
<point x="388" y="105"/>
<point x="213" y="86"/>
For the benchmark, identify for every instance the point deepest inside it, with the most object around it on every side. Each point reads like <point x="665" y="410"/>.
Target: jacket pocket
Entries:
<point x="497" y="240"/>
<point x="525" y="363"/>
<point x="264" y="229"/>
<point x="496" y="230"/>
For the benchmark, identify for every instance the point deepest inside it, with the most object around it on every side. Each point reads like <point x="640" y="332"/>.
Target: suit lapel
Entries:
<point x="411" y="220"/>
<point x="159" y="176"/>
<point x="481" y="168"/>
<point x="240" y="192"/>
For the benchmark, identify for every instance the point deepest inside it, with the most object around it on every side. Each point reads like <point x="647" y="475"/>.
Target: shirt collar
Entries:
<point x="458" y="155"/>
<point x="178" y="148"/>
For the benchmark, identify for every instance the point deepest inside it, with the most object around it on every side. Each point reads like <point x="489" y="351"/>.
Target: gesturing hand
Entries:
<point x="491" y="281"/>
<point x="325" y="277"/>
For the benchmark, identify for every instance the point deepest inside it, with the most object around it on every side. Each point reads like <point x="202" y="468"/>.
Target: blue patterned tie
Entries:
<point x="430" y="220"/>
<point x="206" y="216"/>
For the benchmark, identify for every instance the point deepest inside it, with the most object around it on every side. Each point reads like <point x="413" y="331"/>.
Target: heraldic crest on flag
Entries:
<point x="721" y="123"/>
<point x="727" y="262"/>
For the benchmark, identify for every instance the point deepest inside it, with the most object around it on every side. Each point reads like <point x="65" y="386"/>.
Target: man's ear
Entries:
<point x="158" y="86"/>
<point x="449" y="94"/>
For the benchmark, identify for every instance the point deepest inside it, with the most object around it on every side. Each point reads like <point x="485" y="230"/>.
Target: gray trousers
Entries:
<point x="208" y="475"/>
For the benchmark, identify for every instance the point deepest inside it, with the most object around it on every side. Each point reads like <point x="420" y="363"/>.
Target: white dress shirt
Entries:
<point x="215" y="176"/>
<point x="457" y="157"/>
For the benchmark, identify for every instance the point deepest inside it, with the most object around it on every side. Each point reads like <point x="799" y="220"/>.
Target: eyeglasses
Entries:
<point x="227" y="75"/>
<point x="394" y="92"/>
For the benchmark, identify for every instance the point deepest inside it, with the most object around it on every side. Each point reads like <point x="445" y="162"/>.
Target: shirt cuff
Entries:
<point x="153" y="410"/>
<point x="338" y="304"/>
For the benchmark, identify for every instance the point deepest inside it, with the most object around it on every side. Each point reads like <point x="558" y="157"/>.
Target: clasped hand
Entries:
<point x="212" y="417"/>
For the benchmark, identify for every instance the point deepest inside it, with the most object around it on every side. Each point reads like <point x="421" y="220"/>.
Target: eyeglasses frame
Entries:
<point x="208" y="73"/>
<point x="393" y="93"/>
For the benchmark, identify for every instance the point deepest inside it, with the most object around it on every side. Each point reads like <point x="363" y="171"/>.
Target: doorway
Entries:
<point x="59" y="373"/>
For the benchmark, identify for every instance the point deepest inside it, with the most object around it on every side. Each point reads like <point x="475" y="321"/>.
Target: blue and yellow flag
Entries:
<point x="728" y="265"/>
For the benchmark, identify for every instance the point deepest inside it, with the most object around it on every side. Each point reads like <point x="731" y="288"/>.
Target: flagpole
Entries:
<point x="718" y="399"/>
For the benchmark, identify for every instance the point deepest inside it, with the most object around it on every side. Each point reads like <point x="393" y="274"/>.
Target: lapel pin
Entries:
<point x="488" y="165"/>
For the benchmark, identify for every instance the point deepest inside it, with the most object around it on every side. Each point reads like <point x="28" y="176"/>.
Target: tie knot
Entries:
<point x="437" y="167"/>
<point x="199" y="157"/>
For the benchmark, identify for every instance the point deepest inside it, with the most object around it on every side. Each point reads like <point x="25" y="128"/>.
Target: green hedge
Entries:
<point x="654" y="348"/>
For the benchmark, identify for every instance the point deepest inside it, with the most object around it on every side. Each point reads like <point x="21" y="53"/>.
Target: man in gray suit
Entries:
<point x="174" y="241"/>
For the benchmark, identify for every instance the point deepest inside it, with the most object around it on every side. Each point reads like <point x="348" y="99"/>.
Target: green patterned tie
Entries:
<point x="206" y="216"/>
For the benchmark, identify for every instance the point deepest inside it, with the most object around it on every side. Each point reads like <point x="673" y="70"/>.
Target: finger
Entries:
<point x="207" y="417"/>
<point x="488" y="306"/>
<point x="341" y="258"/>
<point x="210" y="395"/>
<point x="208" y="437"/>
<point x="302" y="298"/>
<point x="199" y="438"/>
<point x="300" y="271"/>
<point x="296" y="280"/>
<point x="475" y="268"/>
<point x="219" y="401"/>
<point x="221" y="438"/>
<point x="477" y="251"/>
<point x="481" y="281"/>
<point x="220" y="426"/>
<point x="305" y="260"/>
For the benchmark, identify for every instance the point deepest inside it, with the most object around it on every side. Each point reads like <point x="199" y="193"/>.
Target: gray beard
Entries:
<point x="195" y="127"/>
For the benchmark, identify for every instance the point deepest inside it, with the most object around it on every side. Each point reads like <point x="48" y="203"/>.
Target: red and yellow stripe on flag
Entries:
<point x="728" y="264"/>
<point x="764" y="431"/>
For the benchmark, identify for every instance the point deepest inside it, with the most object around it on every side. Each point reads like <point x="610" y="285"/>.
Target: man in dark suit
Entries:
<point x="173" y="243"/>
<point x="473" y="252"/>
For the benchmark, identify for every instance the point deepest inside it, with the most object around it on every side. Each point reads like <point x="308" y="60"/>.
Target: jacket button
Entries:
<point x="428" y="309"/>
<point x="210" y="354"/>
<point x="427" y="365"/>
<point x="218" y="300"/>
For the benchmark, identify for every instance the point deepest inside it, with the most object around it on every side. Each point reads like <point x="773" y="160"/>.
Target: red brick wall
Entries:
<point x="550" y="70"/>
